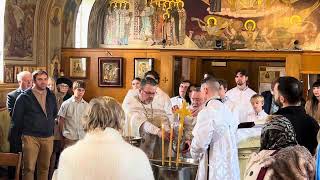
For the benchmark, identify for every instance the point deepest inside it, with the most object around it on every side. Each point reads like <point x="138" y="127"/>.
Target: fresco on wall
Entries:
<point x="19" y="29"/>
<point x="135" y="22"/>
<point x="257" y="24"/>
<point x="69" y="18"/>
<point x="241" y="24"/>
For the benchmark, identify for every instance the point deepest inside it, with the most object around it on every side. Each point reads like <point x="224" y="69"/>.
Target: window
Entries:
<point x="82" y="23"/>
<point x="2" y="8"/>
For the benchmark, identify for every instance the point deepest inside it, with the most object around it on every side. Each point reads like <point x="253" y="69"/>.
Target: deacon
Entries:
<point x="145" y="117"/>
<point x="197" y="102"/>
<point x="214" y="137"/>
<point x="241" y="95"/>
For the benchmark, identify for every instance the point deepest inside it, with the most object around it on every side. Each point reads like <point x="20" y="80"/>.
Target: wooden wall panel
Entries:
<point x="164" y="64"/>
<point x="128" y="69"/>
<point x="228" y="72"/>
<point x="310" y="63"/>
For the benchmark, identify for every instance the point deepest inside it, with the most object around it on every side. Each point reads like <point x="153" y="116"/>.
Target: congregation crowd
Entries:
<point x="63" y="137"/>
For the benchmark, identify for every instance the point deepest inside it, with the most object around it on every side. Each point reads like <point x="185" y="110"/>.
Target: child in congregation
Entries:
<point x="258" y="116"/>
<point x="71" y="114"/>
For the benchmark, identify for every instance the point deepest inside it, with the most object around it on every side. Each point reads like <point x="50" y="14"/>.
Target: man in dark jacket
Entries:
<point x="269" y="105"/>
<point x="33" y="119"/>
<point x="25" y="82"/>
<point x="288" y="94"/>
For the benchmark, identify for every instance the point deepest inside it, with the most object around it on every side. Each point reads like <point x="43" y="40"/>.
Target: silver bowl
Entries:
<point x="133" y="140"/>
<point x="184" y="171"/>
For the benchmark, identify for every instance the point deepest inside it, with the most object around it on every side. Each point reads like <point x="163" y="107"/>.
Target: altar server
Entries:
<point x="214" y="137"/>
<point x="241" y="94"/>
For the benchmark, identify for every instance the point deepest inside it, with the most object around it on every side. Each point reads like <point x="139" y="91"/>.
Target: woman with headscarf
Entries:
<point x="280" y="156"/>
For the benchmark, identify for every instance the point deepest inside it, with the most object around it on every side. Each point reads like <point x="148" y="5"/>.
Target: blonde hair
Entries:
<point x="54" y="89"/>
<point x="257" y="97"/>
<point x="104" y="112"/>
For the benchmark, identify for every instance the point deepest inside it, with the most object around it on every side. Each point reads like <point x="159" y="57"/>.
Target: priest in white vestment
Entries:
<point x="161" y="98"/>
<point x="214" y="132"/>
<point x="145" y="117"/>
<point x="241" y="95"/>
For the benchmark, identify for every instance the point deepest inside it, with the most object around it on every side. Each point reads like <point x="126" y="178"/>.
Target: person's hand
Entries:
<point x="186" y="147"/>
<point x="175" y="108"/>
<point x="195" y="111"/>
<point x="166" y="135"/>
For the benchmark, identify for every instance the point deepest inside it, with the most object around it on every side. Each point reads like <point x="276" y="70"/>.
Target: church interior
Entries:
<point x="108" y="43"/>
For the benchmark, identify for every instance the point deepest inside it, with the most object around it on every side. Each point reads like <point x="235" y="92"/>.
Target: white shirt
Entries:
<point x="242" y="100"/>
<point x="232" y="107"/>
<point x="259" y="118"/>
<point x="176" y="101"/>
<point x="214" y="127"/>
<point x="73" y="113"/>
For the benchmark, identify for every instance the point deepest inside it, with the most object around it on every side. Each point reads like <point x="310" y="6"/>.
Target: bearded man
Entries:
<point x="288" y="93"/>
<point x="145" y="117"/>
<point x="241" y="95"/>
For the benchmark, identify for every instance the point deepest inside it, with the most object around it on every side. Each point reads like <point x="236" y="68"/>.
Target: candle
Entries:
<point x="130" y="129"/>
<point x="178" y="145"/>
<point x="162" y="136"/>
<point x="170" y="144"/>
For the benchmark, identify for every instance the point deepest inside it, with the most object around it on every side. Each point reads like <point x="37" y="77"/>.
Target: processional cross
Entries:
<point x="183" y="112"/>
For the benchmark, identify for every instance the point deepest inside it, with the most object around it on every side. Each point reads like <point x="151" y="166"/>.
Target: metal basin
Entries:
<point x="135" y="141"/>
<point x="185" y="171"/>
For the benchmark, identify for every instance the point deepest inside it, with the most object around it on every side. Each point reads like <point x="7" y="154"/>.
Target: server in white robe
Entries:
<point x="214" y="132"/>
<point x="227" y="101"/>
<point x="145" y="117"/>
<point x="241" y="95"/>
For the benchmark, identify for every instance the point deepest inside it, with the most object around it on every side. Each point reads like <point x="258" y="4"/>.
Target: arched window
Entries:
<point x="82" y="23"/>
<point x="2" y="8"/>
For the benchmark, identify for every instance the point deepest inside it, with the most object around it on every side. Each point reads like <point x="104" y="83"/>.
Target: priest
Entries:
<point x="161" y="98"/>
<point x="214" y="141"/>
<point x="145" y="117"/>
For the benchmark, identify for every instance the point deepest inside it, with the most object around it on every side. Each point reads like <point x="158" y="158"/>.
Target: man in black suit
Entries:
<point x="25" y="82"/>
<point x="269" y="105"/>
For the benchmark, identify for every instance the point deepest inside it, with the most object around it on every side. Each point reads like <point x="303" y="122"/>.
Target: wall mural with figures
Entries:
<point x="241" y="24"/>
<point x="19" y="29"/>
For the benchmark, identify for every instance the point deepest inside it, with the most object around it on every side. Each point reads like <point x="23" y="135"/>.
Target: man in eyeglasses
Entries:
<point x="145" y="117"/>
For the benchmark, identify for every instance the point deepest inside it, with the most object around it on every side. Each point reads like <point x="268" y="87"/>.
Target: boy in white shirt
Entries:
<point x="71" y="114"/>
<point x="257" y="115"/>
